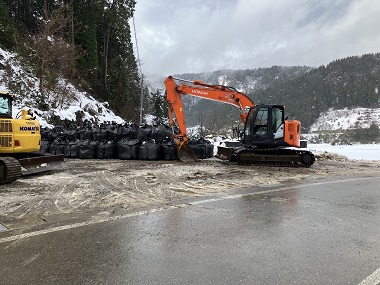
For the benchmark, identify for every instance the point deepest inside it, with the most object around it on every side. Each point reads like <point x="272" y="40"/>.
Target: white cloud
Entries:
<point x="194" y="36"/>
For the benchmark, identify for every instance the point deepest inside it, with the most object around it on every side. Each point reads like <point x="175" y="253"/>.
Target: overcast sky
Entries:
<point x="190" y="36"/>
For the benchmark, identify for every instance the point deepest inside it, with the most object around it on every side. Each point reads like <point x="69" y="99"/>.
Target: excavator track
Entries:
<point x="277" y="157"/>
<point x="10" y="170"/>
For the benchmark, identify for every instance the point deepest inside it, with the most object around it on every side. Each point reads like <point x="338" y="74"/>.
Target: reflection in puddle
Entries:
<point x="2" y="228"/>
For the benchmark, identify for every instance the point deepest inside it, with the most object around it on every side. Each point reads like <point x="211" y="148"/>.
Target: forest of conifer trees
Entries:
<point x="87" y="42"/>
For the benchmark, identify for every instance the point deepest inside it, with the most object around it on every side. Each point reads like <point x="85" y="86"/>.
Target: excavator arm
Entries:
<point x="198" y="88"/>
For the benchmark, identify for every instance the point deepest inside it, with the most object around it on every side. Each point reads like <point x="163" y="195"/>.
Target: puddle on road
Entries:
<point x="272" y="185"/>
<point x="2" y="228"/>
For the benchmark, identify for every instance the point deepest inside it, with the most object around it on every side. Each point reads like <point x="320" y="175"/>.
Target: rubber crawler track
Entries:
<point x="275" y="157"/>
<point x="10" y="170"/>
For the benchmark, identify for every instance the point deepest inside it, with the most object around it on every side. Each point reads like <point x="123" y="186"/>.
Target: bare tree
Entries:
<point x="53" y="51"/>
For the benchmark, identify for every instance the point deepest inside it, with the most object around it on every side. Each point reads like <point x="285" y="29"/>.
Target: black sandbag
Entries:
<point x="87" y="149"/>
<point x="106" y="150"/>
<point x="74" y="149"/>
<point x="144" y="132"/>
<point x="106" y="133"/>
<point x="126" y="131"/>
<point x="59" y="133"/>
<point x="72" y="135"/>
<point x="169" y="150"/>
<point x="210" y="150"/>
<point x="85" y="134"/>
<point x="52" y="135"/>
<point x="63" y="147"/>
<point x="149" y="150"/>
<point x="95" y="132"/>
<point x="157" y="134"/>
<point x="209" y="147"/>
<point x="100" y="150"/>
<point x="101" y="137"/>
<point x="128" y="149"/>
<point x="110" y="150"/>
<point x="44" y="147"/>
<point x="199" y="148"/>
<point x="111" y="134"/>
<point x="161" y="133"/>
<point x="45" y="133"/>
<point x="53" y="146"/>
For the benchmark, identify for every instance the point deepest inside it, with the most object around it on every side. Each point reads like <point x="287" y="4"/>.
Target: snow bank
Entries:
<point x="356" y="152"/>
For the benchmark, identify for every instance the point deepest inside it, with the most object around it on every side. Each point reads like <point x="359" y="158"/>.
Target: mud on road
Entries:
<point x="103" y="188"/>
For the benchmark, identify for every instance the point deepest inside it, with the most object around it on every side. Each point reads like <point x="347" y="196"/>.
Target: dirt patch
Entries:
<point x="102" y="188"/>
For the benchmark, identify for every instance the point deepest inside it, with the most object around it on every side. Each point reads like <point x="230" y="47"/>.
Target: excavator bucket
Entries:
<point x="186" y="153"/>
<point x="32" y="165"/>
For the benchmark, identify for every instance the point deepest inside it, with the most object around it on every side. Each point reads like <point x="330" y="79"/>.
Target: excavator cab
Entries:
<point x="266" y="126"/>
<point x="5" y="105"/>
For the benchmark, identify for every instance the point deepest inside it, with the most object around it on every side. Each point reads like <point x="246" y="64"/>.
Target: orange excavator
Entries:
<point x="268" y="136"/>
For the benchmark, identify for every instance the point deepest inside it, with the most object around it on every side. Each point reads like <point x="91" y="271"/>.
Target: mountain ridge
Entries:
<point x="307" y="92"/>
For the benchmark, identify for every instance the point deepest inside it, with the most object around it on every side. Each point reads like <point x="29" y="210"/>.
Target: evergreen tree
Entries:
<point x="119" y="77"/>
<point x="85" y="35"/>
<point x="158" y="107"/>
<point x="7" y="27"/>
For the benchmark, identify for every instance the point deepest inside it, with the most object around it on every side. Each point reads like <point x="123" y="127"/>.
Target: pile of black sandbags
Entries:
<point x="122" y="141"/>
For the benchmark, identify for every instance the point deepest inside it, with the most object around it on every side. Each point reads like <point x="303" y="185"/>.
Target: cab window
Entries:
<point x="248" y="124"/>
<point x="4" y="106"/>
<point x="261" y="122"/>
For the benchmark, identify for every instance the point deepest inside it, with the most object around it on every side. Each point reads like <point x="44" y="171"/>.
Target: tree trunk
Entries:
<point x="41" y="75"/>
<point x="106" y="46"/>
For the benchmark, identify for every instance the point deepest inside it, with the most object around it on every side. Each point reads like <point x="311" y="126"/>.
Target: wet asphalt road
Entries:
<point x="322" y="233"/>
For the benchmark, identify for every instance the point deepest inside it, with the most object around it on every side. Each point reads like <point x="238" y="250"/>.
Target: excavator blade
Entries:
<point x="186" y="153"/>
<point x="32" y="165"/>
<point x="226" y="150"/>
<point x="224" y="153"/>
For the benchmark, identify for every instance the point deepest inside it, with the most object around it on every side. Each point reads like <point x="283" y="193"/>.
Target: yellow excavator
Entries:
<point x="20" y="142"/>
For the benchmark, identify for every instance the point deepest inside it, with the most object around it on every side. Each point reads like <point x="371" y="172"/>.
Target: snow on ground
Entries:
<point x="355" y="152"/>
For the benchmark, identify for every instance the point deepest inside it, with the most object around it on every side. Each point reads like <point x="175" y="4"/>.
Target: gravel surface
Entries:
<point x="102" y="188"/>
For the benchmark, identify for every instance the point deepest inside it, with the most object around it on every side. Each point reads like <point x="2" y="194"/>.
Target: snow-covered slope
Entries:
<point x="73" y="102"/>
<point x="357" y="152"/>
<point x="346" y="119"/>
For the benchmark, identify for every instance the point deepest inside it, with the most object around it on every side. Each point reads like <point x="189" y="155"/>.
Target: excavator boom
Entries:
<point x="218" y="93"/>
<point x="200" y="89"/>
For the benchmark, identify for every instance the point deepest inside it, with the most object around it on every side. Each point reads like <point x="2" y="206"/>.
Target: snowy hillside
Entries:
<point x="76" y="105"/>
<point x="73" y="105"/>
<point x="346" y="119"/>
